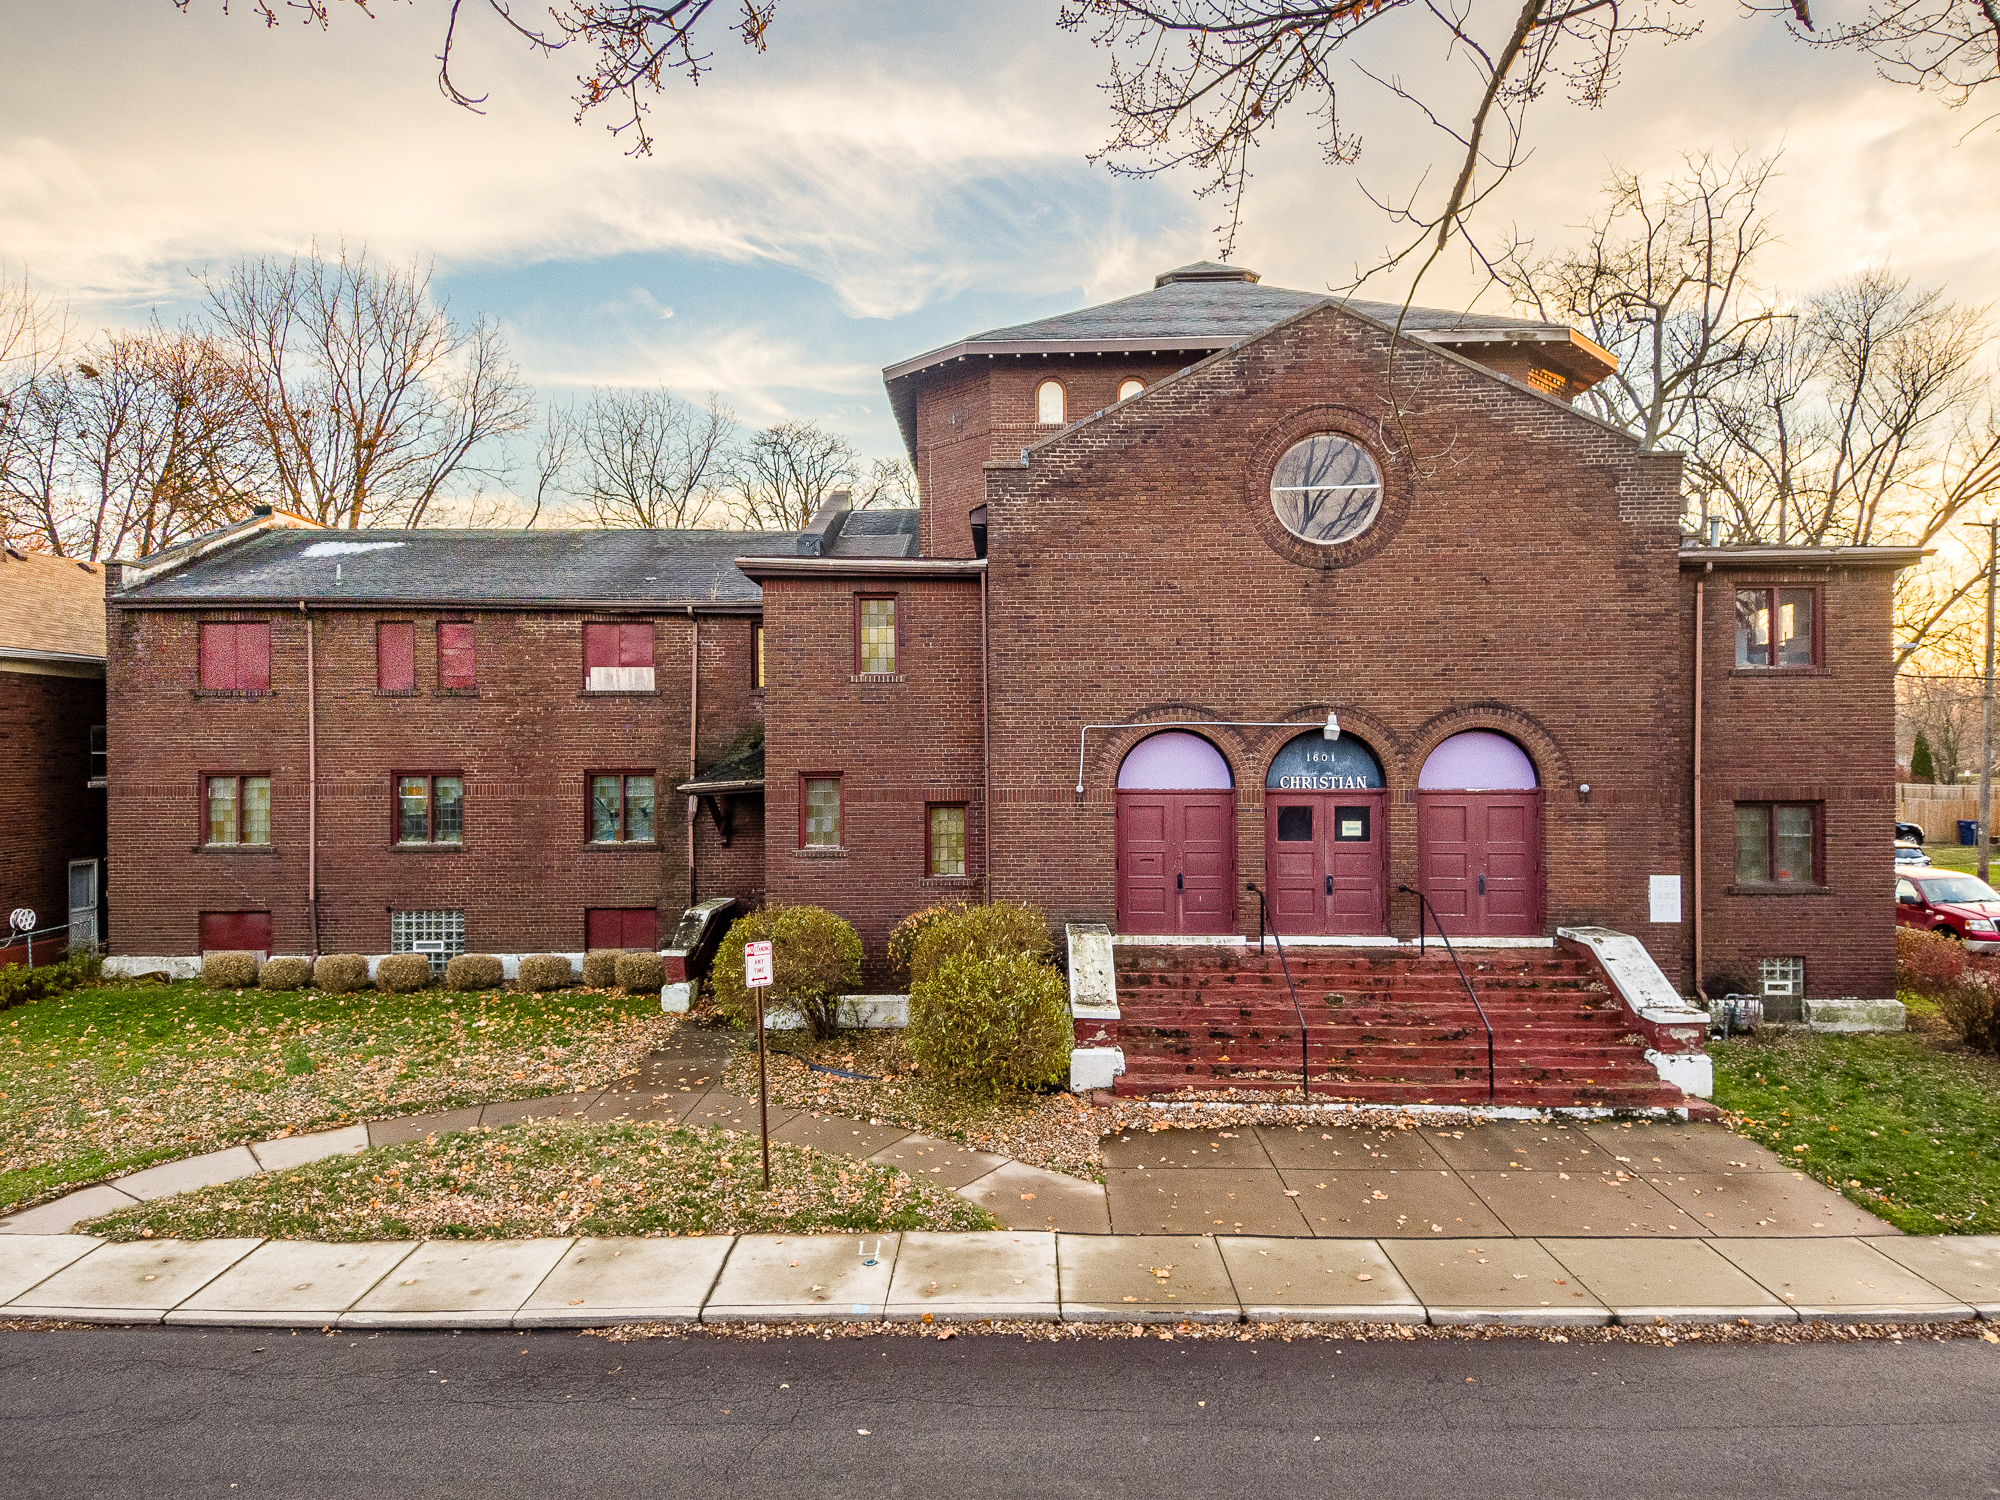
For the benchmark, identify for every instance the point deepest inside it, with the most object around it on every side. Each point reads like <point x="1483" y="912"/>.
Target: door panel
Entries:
<point x="1295" y="863"/>
<point x="1177" y="862"/>
<point x="1481" y="861"/>
<point x="1357" y="906"/>
<point x="236" y="932"/>
<point x="1325" y="862"/>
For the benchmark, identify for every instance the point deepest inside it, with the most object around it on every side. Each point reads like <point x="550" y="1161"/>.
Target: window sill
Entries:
<point x="97" y="783"/>
<point x="623" y="846"/>
<point x="458" y="848"/>
<point x="948" y="880"/>
<point x="471" y="692"/>
<point x="618" y="693"/>
<point x="382" y="692"/>
<point x="232" y="693"/>
<point x="821" y="851"/>
<point x="251" y="849"/>
<point x="1799" y="889"/>
<point x="1770" y="672"/>
<point x="877" y="677"/>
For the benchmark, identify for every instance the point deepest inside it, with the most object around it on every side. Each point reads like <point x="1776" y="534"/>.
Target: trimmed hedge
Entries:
<point x="229" y="971"/>
<point x="996" y="930"/>
<point x="285" y="974"/>
<point x="546" y="971"/>
<point x="340" y="973"/>
<point x="600" y="968"/>
<point x="815" y="960"/>
<point x="991" y="1023"/>
<point x="903" y="936"/>
<point x="641" y="971"/>
<point x="474" y="971"/>
<point x="403" y="973"/>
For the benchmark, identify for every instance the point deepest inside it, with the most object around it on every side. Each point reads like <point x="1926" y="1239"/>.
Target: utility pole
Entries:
<point x="1992" y="529"/>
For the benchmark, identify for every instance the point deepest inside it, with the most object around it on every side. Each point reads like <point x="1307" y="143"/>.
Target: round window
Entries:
<point x="1326" y="489"/>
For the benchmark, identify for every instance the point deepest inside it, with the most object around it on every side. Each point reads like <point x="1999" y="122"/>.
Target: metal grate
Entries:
<point x="440" y="935"/>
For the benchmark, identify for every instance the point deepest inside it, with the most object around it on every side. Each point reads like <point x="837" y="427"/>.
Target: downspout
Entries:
<point x="985" y="751"/>
<point x="312" y="783"/>
<point x="694" y="721"/>
<point x="1700" y="626"/>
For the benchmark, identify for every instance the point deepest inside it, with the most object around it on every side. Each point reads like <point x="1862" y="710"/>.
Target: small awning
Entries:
<point x="742" y="770"/>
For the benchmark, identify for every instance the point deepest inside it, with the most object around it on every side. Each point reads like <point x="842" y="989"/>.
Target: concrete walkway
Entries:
<point x="1013" y="1274"/>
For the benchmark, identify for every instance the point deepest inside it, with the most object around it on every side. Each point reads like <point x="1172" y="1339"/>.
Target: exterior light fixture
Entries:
<point x="1583" y="792"/>
<point x="1332" y="730"/>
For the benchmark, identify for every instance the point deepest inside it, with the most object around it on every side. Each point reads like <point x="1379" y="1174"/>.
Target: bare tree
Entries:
<point x="1944" y="708"/>
<point x="650" y="459"/>
<point x="1663" y="282"/>
<point x="34" y="342"/>
<point x="373" y="401"/>
<point x="890" y="484"/>
<point x="1947" y="47"/>
<point x="784" y="472"/>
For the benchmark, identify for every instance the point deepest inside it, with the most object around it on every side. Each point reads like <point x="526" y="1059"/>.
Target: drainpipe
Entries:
<point x="312" y="783"/>
<point x="985" y="752"/>
<point x="694" y="720"/>
<point x="1700" y="625"/>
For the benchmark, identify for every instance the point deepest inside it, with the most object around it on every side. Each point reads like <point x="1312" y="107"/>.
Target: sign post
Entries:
<point x="757" y="978"/>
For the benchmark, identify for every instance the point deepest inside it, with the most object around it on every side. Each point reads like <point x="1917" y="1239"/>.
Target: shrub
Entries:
<point x="641" y="971"/>
<point x="1972" y="1009"/>
<point x="474" y="971"/>
<point x="229" y="971"/>
<point x="991" y="1023"/>
<point x="903" y="936"/>
<point x="998" y="929"/>
<point x="546" y="971"/>
<point x="401" y="973"/>
<point x="600" y="968"/>
<point x="815" y="959"/>
<point x="285" y="974"/>
<point x="1928" y="962"/>
<point x="340" y="973"/>
<point x="21" y="985"/>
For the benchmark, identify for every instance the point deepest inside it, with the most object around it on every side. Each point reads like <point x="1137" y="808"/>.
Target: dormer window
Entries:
<point x="1129" y="388"/>
<point x="1050" y="403"/>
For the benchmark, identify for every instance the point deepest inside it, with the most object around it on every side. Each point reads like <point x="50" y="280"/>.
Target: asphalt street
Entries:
<point x="240" y="1413"/>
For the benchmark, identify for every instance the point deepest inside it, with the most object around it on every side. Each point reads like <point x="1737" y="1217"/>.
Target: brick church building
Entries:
<point x="1224" y="606"/>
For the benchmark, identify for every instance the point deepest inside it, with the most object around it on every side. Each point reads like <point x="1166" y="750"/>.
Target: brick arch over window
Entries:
<point x="1551" y="762"/>
<point x="1356" y="426"/>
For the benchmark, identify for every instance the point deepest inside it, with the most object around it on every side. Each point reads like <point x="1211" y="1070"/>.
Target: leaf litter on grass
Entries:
<point x="551" y="1177"/>
<point x="106" y="1079"/>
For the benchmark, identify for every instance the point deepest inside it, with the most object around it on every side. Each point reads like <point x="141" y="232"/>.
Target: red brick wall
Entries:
<point x="1825" y="736"/>
<point x="897" y="747"/>
<point x="1524" y="579"/>
<point x="55" y="815"/>
<point x="525" y="744"/>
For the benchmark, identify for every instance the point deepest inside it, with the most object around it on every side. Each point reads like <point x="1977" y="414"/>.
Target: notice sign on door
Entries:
<point x="756" y="965"/>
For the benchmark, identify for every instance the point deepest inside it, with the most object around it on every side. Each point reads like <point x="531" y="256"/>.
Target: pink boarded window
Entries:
<point x="1478" y="761"/>
<point x="395" y="656"/>
<point x="1174" y="762"/>
<point x="621" y="927"/>
<point x="457" y="663"/>
<point x="618" y="658"/>
<point x="236" y="656"/>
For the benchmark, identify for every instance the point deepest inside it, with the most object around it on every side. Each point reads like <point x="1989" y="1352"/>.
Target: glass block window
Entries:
<point x="1781" y="978"/>
<point x="430" y="810"/>
<point x="621" y="809"/>
<point x="875" y="639"/>
<point x="439" y="935"/>
<point x="239" y="809"/>
<point x="820" y="815"/>
<point x="947" y="841"/>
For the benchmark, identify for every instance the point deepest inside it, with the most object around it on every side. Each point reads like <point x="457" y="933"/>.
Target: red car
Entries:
<point x="1960" y="906"/>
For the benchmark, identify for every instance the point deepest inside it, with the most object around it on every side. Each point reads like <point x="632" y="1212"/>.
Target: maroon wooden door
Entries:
<point x="1177" y="862"/>
<point x="1480" y="854"/>
<point x="1325" y="858"/>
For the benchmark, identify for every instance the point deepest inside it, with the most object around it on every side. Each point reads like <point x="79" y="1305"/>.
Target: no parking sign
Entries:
<point x="756" y="965"/>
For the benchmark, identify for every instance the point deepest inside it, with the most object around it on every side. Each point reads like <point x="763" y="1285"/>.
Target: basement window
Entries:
<point x="438" y="935"/>
<point x="1781" y="978"/>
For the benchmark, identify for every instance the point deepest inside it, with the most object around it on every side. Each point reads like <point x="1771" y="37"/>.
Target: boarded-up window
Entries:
<point x="618" y="658"/>
<point x="236" y="656"/>
<point x="395" y="656"/>
<point x="236" y="932"/>
<point x="457" y="666"/>
<point x="635" y="927"/>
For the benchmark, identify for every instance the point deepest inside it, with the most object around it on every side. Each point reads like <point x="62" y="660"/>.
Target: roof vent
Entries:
<point x="260" y="510"/>
<point x="1206" y="270"/>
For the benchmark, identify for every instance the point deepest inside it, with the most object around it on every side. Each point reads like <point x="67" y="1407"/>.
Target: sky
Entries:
<point x="886" y="178"/>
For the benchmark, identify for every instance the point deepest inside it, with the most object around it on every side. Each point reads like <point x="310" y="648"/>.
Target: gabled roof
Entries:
<point x="636" y="569"/>
<point x="51" y="606"/>
<point x="1199" y="309"/>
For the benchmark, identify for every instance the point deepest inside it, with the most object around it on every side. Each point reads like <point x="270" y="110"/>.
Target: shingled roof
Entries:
<point x="1199" y="309"/>
<point x="51" y="606"/>
<point x="647" y="569"/>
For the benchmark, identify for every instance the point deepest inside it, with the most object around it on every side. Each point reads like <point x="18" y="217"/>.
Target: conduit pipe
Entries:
<point x="694" y="721"/>
<point x="1700" y="629"/>
<point x="312" y="782"/>
<point x="985" y="752"/>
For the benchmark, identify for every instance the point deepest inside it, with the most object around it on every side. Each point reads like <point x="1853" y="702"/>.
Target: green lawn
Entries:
<point x="551" y="1177"/>
<point x="1905" y="1129"/>
<point x="102" y="1080"/>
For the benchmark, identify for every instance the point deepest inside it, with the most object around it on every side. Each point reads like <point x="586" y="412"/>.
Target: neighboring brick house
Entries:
<point x="1218" y="595"/>
<point x="52" y="748"/>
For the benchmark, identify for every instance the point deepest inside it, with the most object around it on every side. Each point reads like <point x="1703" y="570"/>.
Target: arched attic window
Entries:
<point x="1130" y="387"/>
<point x="1050" y="403"/>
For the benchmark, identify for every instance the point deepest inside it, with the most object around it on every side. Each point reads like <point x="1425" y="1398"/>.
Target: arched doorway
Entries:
<point x="1326" y="838"/>
<point x="1479" y="836"/>
<point x="1176" y="838"/>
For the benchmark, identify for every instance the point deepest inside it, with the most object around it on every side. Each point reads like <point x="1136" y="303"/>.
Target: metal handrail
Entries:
<point x="1491" y="1074"/>
<point x="1305" y="1055"/>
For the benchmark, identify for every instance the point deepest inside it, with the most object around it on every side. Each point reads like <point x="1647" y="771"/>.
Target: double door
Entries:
<point x="1177" y="863"/>
<point x="1326" y="861"/>
<point x="1481" y="857"/>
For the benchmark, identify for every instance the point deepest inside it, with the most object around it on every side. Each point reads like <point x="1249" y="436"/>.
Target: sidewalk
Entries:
<point x="1030" y="1275"/>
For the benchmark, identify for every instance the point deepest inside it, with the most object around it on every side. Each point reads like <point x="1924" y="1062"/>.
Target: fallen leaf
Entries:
<point x="1363" y="1276"/>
